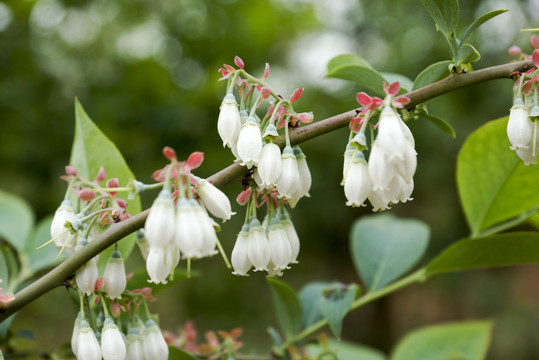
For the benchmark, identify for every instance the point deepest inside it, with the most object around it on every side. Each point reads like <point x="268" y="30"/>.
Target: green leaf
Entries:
<point x="335" y="305"/>
<point x="358" y="70"/>
<point x="440" y="123"/>
<point x="445" y="14"/>
<point x="385" y="247"/>
<point x="46" y="257"/>
<point x="344" y="351"/>
<point x="494" y="184"/>
<point x="287" y="307"/>
<point x="176" y="354"/>
<point x="480" y="21"/>
<point x="310" y="296"/>
<point x="4" y="272"/>
<point x="467" y="54"/>
<point x="16" y="220"/>
<point x="507" y="249"/>
<point x="91" y="150"/>
<point x="405" y="82"/>
<point x="432" y="73"/>
<point x="453" y="341"/>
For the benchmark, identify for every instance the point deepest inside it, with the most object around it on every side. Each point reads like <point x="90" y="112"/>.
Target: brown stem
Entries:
<point x="60" y="273"/>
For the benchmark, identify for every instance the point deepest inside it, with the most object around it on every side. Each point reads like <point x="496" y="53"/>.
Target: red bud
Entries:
<point x="169" y="153"/>
<point x="534" y="41"/>
<point x="86" y="195"/>
<point x="239" y="62"/>
<point x="195" y="160"/>
<point x="296" y="95"/>
<point x="535" y="58"/>
<point x="514" y="51"/>
<point x="101" y="174"/>
<point x="266" y="71"/>
<point x="266" y="92"/>
<point x="70" y="170"/>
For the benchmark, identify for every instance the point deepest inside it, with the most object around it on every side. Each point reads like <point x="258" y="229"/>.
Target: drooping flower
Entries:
<point x="239" y="258"/>
<point x="75" y="334"/>
<point x="215" y="201"/>
<point x="357" y="184"/>
<point x="154" y="344"/>
<point x="391" y="137"/>
<point x="229" y="123"/>
<point x="269" y="166"/>
<point x="519" y="126"/>
<point x="280" y="249"/>
<point x="189" y="235"/>
<point x="258" y="249"/>
<point x="381" y="170"/>
<point x="65" y="213"/>
<point x="209" y="237"/>
<point x="291" y="235"/>
<point x="305" y="179"/>
<point x="112" y="342"/>
<point x="114" y="279"/>
<point x="156" y="265"/>
<point x="160" y="225"/>
<point x="135" y="350"/>
<point x="87" y="274"/>
<point x="88" y="346"/>
<point x="289" y="182"/>
<point x="249" y="145"/>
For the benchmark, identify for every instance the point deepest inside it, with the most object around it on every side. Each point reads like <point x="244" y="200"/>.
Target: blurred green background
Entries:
<point x="146" y="73"/>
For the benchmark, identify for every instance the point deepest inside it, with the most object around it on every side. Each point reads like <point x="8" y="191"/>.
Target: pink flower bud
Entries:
<point x="195" y="160"/>
<point x="86" y="195"/>
<point x="244" y="196"/>
<point x="239" y="62"/>
<point x="169" y="153"/>
<point x="534" y="41"/>
<point x="514" y="51"/>
<point x="112" y="183"/>
<point x="266" y="71"/>
<point x="296" y="95"/>
<point x="535" y="58"/>
<point x="266" y="92"/>
<point x="70" y="170"/>
<point x="101" y="174"/>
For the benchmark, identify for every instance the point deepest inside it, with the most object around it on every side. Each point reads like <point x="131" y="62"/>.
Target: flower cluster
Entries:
<point x="278" y="177"/>
<point x="268" y="246"/>
<point x="387" y="177"/>
<point x="74" y="228"/>
<point x="253" y="140"/>
<point x="522" y="129"/>
<point x="103" y="337"/>
<point x="178" y="223"/>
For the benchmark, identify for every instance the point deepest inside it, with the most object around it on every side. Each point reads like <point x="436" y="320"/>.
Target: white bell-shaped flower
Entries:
<point x="87" y="275"/>
<point x="406" y="189"/>
<point x="189" y="236"/>
<point x="391" y="137"/>
<point x="519" y="126"/>
<point x="407" y="166"/>
<point x="527" y="156"/>
<point x="305" y="179"/>
<point x="88" y="346"/>
<point x="75" y="334"/>
<point x="291" y="235"/>
<point x="239" y="258"/>
<point x="112" y="342"/>
<point x="274" y="271"/>
<point x="381" y="171"/>
<point x="378" y="201"/>
<point x="114" y="279"/>
<point x="160" y="223"/>
<point x="357" y="184"/>
<point x="349" y="154"/>
<point x="269" y="166"/>
<point x="280" y="249"/>
<point x="134" y="345"/>
<point x="229" y="123"/>
<point x="250" y="143"/>
<point x="143" y="244"/>
<point x="154" y="344"/>
<point x="391" y="194"/>
<point x="288" y="183"/>
<point x="209" y="237"/>
<point x="258" y="249"/>
<point x="215" y="201"/>
<point x="63" y="214"/>
<point x="156" y="265"/>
